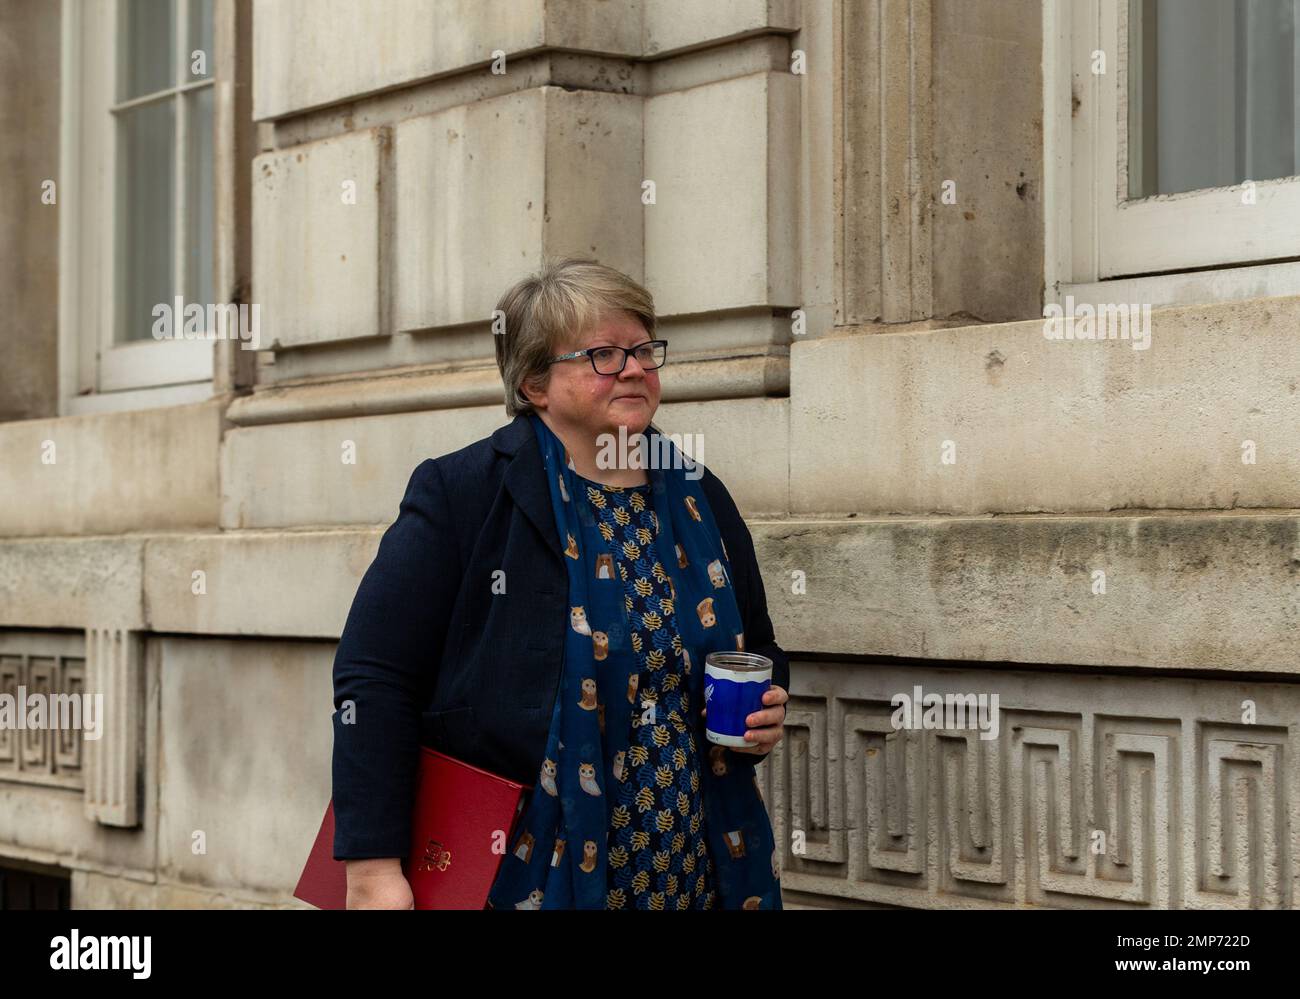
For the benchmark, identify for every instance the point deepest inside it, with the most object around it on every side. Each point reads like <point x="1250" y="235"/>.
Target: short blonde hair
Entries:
<point x="547" y="311"/>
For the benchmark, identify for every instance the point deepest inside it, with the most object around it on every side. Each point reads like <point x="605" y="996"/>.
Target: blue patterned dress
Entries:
<point x="658" y="854"/>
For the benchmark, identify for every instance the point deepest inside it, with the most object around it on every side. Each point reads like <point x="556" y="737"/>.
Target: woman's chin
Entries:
<point x="634" y="417"/>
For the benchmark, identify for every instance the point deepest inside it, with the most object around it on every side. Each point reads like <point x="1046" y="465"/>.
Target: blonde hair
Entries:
<point x="548" y="310"/>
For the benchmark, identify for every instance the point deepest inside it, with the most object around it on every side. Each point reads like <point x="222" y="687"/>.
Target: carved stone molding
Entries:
<point x="114" y="763"/>
<point x="886" y="141"/>
<point x="49" y="665"/>
<point x="1098" y="791"/>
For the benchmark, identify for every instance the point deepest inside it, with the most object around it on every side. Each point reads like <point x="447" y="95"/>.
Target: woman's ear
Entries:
<point x="533" y="388"/>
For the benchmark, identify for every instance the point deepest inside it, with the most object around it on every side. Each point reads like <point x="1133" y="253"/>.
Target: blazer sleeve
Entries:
<point x="384" y="670"/>
<point x="759" y="634"/>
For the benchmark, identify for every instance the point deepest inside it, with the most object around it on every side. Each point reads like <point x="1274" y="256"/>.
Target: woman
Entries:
<point x="572" y="665"/>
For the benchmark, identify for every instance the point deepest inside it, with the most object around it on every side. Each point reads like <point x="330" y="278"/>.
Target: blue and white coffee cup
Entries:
<point x="734" y="685"/>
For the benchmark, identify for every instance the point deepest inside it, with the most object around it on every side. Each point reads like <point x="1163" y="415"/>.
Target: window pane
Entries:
<point x="200" y="14"/>
<point x="1212" y="93"/>
<point x="199" y="190"/>
<point x="147" y="51"/>
<point x="145" y="217"/>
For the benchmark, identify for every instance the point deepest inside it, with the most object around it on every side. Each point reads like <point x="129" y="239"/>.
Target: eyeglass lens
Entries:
<point x="609" y="360"/>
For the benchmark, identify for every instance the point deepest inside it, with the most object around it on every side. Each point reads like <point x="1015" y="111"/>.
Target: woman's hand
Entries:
<point x="765" y="727"/>
<point x="378" y="884"/>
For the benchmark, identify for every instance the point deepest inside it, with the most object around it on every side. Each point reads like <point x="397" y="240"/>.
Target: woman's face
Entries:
<point x="590" y="404"/>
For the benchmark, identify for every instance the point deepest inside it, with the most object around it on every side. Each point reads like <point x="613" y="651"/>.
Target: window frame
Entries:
<point x="96" y="373"/>
<point x="1095" y="234"/>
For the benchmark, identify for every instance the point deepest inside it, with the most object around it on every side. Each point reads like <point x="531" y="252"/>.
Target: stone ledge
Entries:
<point x="93" y="890"/>
<point x="1191" y="591"/>
<point x="696" y="378"/>
<point x="1183" y="591"/>
<point x="375" y="54"/>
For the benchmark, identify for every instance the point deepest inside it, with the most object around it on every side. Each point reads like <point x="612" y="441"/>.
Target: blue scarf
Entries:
<point x="558" y="857"/>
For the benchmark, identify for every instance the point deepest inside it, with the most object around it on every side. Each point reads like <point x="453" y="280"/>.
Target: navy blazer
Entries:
<point x="430" y="655"/>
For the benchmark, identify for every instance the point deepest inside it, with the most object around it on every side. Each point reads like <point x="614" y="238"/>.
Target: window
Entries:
<point x="1211" y="94"/>
<point x="1183" y="148"/>
<point x="27" y="887"/>
<point x="137" y="195"/>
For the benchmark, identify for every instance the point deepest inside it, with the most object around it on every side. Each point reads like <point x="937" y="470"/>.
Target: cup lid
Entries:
<point x="741" y="661"/>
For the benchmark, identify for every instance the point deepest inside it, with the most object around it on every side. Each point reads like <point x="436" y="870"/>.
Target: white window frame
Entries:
<point x="1100" y="243"/>
<point x="97" y="374"/>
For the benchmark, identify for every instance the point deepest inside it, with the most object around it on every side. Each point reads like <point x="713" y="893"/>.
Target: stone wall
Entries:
<point x="1097" y="555"/>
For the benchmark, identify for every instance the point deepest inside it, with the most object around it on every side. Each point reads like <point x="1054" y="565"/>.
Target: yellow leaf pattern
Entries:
<point x="653" y="860"/>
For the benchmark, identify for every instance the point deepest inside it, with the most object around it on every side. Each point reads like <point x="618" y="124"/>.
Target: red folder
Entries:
<point x="458" y="810"/>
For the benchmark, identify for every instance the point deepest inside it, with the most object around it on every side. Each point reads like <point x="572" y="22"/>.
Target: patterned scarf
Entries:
<point x="558" y="859"/>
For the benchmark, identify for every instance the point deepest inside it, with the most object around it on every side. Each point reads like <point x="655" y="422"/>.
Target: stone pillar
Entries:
<point x="114" y="762"/>
<point x="29" y="206"/>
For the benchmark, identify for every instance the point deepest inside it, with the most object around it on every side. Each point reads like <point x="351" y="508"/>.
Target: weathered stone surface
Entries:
<point x="1097" y="791"/>
<point x="484" y="189"/>
<point x="723" y="158"/>
<point x="215" y="789"/>
<point x="1209" y="591"/>
<point x="743" y="443"/>
<point x="107" y="473"/>
<point x="1051" y="425"/>
<point x="317" y="212"/>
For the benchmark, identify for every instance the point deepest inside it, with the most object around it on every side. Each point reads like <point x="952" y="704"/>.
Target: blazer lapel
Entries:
<point x="525" y="478"/>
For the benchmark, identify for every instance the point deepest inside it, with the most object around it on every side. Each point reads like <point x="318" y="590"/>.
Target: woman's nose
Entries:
<point x="629" y="368"/>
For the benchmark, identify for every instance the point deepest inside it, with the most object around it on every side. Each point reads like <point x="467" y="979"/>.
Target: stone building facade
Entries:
<point x="852" y="215"/>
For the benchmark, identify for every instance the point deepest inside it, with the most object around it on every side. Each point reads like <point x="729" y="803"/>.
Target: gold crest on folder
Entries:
<point x="435" y="855"/>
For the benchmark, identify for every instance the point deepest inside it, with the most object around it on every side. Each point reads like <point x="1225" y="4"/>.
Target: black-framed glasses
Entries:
<point x="610" y="360"/>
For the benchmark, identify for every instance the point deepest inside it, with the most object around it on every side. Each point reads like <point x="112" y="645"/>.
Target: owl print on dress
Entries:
<point x="588" y="701"/>
<point x="547" y="778"/>
<point x="600" y="645"/>
<point x="751" y="902"/>
<point x="524" y="848"/>
<point x="604" y="566"/>
<point x="587" y="779"/>
<point x="716" y="575"/>
<point x="557" y="853"/>
<point x="572" y="549"/>
<point x="705" y="610"/>
<point x="692" y="509"/>
<point x="718" y="760"/>
<point x="533" y="901"/>
<point x="564" y="493"/>
<point x="681" y="557"/>
<point x="578" y="621"/>
<point x="658" y="855"/>
<point x="740" y="642"/>
<point x="588" y="857"/>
